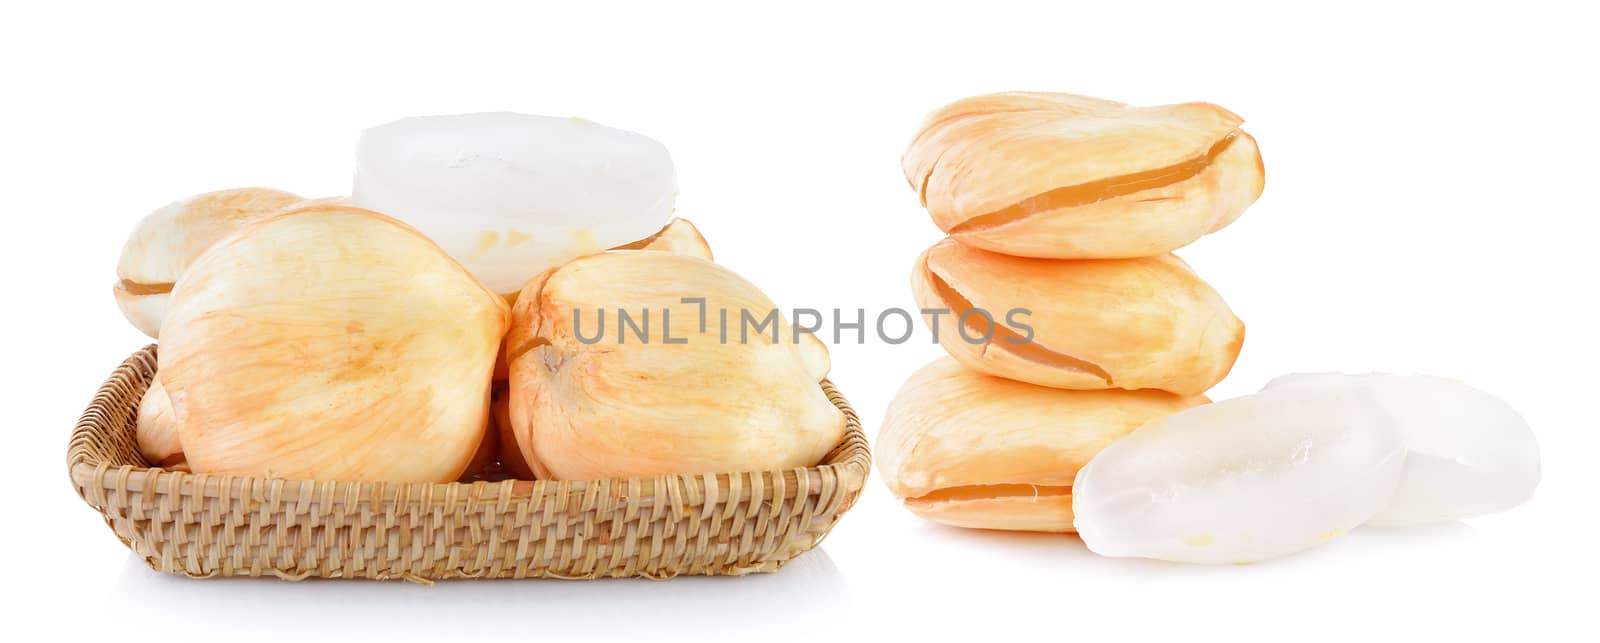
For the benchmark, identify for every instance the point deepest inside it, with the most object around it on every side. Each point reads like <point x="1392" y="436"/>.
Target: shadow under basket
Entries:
<point x="659" y="527"/>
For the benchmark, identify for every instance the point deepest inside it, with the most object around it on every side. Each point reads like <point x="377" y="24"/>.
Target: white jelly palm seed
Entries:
<point x="511" y="195"/>
<point x="1469" y="453"/>
<point x="1242" y="480"/>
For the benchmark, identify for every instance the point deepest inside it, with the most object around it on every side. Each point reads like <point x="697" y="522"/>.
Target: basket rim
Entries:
<point x="850" y="461"/>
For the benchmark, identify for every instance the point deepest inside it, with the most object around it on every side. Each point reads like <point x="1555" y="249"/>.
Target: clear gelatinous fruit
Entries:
<point x="1469" y="453"/>
<point x="1243" y="480"/>
<point x="511" y="195"/>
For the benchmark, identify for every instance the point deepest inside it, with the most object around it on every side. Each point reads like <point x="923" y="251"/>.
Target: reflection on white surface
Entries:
<point x="1065" y="553"/>
<point x="805" y="589"/>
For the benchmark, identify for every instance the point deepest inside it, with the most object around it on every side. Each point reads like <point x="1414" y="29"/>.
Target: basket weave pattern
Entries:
<point x="216" y="525"/>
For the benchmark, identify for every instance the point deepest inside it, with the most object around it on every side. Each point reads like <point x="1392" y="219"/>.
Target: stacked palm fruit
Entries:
<point x="1068" y="321"/>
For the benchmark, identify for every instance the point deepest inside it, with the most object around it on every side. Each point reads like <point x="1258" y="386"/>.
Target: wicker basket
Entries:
<point x="214" y="525"/>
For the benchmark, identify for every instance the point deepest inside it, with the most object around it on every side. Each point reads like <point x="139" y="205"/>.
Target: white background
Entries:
<point x="1430" y="207"/>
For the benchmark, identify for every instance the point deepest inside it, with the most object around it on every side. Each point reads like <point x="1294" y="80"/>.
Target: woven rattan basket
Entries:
<point x="212" y="525"/>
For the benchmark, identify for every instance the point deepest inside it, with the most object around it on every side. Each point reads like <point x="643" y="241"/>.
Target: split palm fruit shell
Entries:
<point x="591" y="399"/>
<point x="1060" y="176"/>
<point x="511" y="195"/>
<point x="330" y="343"/>
<point x="972" y="450"/>
<point x="166" y="241"/>
<point x="156" y="431"/>
<point x="1089" y="324"/>
<point x="678" y="237"/>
